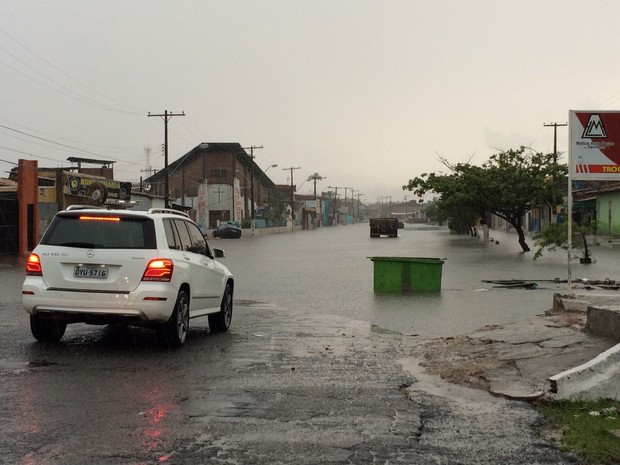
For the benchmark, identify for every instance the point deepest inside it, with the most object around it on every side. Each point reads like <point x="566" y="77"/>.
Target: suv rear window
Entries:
<point x="100" y="232"/>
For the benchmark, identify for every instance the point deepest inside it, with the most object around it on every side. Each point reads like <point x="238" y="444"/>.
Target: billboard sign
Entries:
<point x="82" y="185"/>
<point x="594" y="149"/>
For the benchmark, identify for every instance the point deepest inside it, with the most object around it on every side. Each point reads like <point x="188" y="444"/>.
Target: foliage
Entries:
<point x="462" y="220"/>
<point x="587" y="428"/>
<point x="555" y="236"/>
<point x="507" y="185"/>
<point x="434" y="213"/>
<point x="274" y="212"/>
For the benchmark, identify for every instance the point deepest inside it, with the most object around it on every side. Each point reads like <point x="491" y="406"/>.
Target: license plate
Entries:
<point x="85" y="271"/>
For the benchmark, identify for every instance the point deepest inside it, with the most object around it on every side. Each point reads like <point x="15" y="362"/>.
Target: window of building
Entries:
<point x="218" y="173"/>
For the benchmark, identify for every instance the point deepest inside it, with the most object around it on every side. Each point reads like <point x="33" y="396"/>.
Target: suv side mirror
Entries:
<point x="219" y="253"/>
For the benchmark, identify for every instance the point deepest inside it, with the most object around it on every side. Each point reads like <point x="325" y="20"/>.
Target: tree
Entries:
<point x="508" y="185"/>
<point x="555" y="236"/>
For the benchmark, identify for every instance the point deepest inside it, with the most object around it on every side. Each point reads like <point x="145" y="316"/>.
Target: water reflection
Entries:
<point x="327" y="272"/>
<point x="78" y="396"/>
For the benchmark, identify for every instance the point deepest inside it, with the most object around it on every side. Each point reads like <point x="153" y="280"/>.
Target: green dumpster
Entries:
<point x="406" y="274"/>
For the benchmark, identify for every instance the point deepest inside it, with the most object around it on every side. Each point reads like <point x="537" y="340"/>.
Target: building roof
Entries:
<point x="205" y="148"/>
<point x="79" y="160"/>
<point x="7" y="185"/>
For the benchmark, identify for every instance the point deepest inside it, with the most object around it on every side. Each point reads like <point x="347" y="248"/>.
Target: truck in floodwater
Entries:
<point x="384" y="227"/>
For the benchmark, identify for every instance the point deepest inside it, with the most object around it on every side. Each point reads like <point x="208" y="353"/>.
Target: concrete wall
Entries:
<point x="604" y="321"/>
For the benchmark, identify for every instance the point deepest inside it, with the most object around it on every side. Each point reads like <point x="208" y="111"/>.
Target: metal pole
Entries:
<point x="570" y="203"/>
<point x="166" y="186"/>
<point x="252" y="185"/>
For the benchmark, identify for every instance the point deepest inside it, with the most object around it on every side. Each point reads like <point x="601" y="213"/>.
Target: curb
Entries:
<point x="577" y="381"/>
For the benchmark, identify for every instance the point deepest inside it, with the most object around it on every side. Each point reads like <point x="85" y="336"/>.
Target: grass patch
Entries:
<point x="590" y="429"/>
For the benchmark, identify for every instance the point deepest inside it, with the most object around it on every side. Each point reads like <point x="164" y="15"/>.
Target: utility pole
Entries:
<point x="346" y="207"/>
<point x="555" y="140"/>
<point x="555" y="156"/>
<point x="292" y="193"/>
<point x="252" y="147"/>
<point x="353" y="204"/>
<point x="335" y="218"/>
<point x="358" y="203"/>
<point x="315" y="177"/>
<point x="166" y="117"/>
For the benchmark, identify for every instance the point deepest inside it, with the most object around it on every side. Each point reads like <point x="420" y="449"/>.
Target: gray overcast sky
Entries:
<point x="366" y="93"/>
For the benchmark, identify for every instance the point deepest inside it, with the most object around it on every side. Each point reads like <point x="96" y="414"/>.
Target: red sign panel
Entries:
<point x="594" y="149"/>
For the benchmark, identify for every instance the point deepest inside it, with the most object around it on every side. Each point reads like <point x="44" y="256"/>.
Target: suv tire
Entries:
<point x="47" y="329"/>
<point x="174" y="332"/>
<point x="220" y="322"/>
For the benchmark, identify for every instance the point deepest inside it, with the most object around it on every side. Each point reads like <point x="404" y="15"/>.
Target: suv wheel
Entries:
<point x="47" y="329"/>
<point x="174" y="332"/>
<point x="220" y="322"/>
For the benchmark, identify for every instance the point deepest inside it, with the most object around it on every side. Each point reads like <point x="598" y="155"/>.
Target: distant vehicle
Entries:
<point x="228" y="230"/>
<point x="152" y="269"/>
<point x="384" y="227"/>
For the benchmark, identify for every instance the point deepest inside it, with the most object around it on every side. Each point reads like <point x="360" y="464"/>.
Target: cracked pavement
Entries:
<point x="514" y="360"/>
<point x="274" y="390"/>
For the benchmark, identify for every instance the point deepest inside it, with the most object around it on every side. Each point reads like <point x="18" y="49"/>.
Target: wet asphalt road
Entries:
<point x="283" y="386"/>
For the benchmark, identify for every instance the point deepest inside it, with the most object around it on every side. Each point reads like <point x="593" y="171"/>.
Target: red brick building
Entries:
<point x="215" y="181"/>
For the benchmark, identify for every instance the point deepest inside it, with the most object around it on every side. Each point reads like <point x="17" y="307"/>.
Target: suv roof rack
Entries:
<point x="82" y="207"/>
<point x="167" y="210"/>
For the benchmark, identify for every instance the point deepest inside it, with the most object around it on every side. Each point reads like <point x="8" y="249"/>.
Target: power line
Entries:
<point x="87" y="99"/>
<point x="29" y="131"/>
<point x="66" y="146"/>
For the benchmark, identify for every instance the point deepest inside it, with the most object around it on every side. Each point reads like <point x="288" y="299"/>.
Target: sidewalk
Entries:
<point x="519" y="360"/>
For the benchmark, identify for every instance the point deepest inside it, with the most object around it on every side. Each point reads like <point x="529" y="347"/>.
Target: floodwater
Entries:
<point x="327" y="271"/>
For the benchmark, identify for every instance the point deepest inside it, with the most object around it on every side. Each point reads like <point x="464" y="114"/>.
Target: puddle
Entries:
<point x="220" y="405"/>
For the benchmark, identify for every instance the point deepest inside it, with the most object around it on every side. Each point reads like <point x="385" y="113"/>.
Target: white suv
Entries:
<point x="147" y="268"/>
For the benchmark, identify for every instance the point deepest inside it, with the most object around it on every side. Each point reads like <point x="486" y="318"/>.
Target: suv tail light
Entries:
<point x="33" y="265"/>
<point x="158" y="269"/>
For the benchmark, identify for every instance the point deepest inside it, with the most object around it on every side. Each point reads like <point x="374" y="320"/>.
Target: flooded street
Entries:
<point x="326" y="271"/>
<point x="316" y="367"/>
